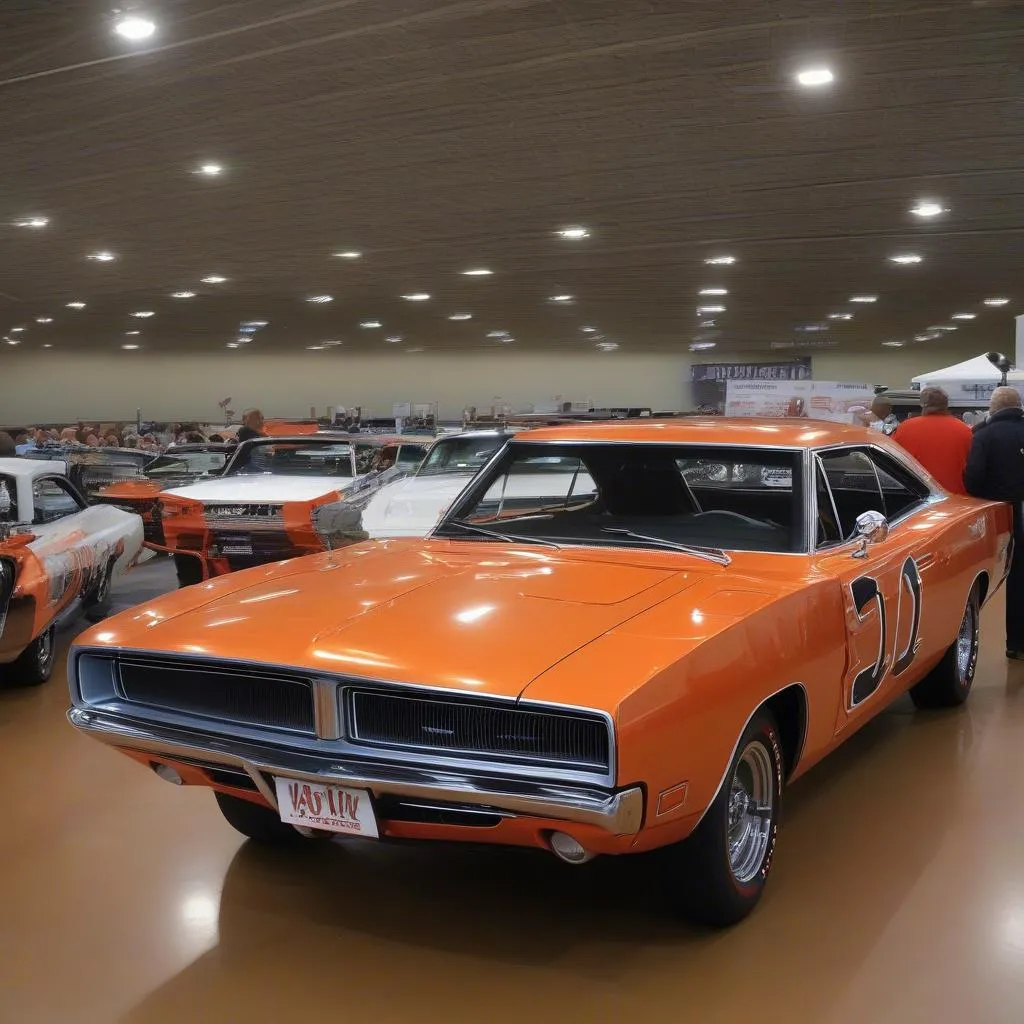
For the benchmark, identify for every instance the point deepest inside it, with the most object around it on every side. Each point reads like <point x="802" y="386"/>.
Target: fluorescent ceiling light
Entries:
<point x="416" y="296"/>
<point x="701" y="346"/>
<point x="320" y="300"/>
<point x="559" y="298"/>
<point x="253" y="325"/>
<point x="589" y="330"/>
<point x="905" y="258"/>
<point x="710" y="309"/>
<point x="349" y="254"/>
<point x="75" y="305"/>
<point x="130" y="348"/>
<point x="840" y="316"/>
<point x="130" y="333"/>
<point x="232" y="344"/>
<point x="607" y="346"/>
<point x="713" y="291"/>
<point x="102" y="256"/>
<point x="461" y="316"/>
<point x="314" y="348"/>
<point x="477" y="272"/>
<point x="393" y="339"/>
<point x="17" y="330"/>
<point x="812" y="77"/>
<point x="214" y="279"/>
<point x="574" y="233"/>
<point x="927" y="208"/>
<point x="134" y="28"/>
<point x="996" y="302"/>
<point x="12" y="341"/>
<point x="371" y="324"/>
<point x="143" y="314"/>
<point x="863" y="298"/>
<point x="964" y="316"/>
<point x="44" y="319"/>
<point x="48" y="346"/>
<point x="32" y="222"/>
<point x="720" y="261"/>
<point x="893" y="344"/>
<point x="210" y="170"/>
<point x="498" y="334"/>
<point x="183" y="295"/>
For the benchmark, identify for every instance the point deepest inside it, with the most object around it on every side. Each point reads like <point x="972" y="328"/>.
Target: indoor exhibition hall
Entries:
<point x="511" y="510"/>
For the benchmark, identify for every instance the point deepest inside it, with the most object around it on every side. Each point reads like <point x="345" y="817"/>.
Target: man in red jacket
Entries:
<point x="938" y="440"/>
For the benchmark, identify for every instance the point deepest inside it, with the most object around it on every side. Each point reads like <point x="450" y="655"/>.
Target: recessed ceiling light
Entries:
<point x="129" y="333"/>
<point x="812" y="77"/>
<point x="573" y="233"/>
<point x="32" y="222"/>
<point x="370" y="325"/>
<point x="996" y="302"/>
<point x="102" y="256"/>
<point x="713" y="291"/>
<point x="134" y="28"/>
<point x="589" y="330"/>
<point x="607" y="346"/>
<point x="701" y="346"/>
<point x="210" y="170"/>
<point x="349" y="254"/>
<point x="183" y="295"/>
<point x="416" y="296"/>
<point x="931" y="336"/>
<point x="964" y="316"/>
<point x="560" y="298"/>
<point x="254" y="325"/>
<point x="44" y="319"/>
<point x="314" y="348"/>
<point x="477" y="272"/>
<point x="863" y="298"/>
<point x="461" y="316"/>
<point x="720" y="261"/>
<point x="143" y="314"/>
<point x="12" y="341"/>
<point x="701" y="310"/>
<point x="497" y="334"/>
<point x="840" y="316"/>
<point x="927" y="208"/>
<point x="17" y="330"/>
<point x="393" y="339"/>
<point x="232" y="344"/>
<point x="130" y="348"/>
<point x="48" y="345"/>
<point x="320" y="300"/>
<point x="75" y="305"/>
<point x="214" y="279"/>
<point x="942" y="327"/>
<point x="905" y="258"/>
<point x="893" y="344"/>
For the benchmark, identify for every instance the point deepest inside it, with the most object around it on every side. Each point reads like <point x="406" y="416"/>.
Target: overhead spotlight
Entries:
<point x="144" y="314"/>
<point x="477" y="272"/>
<point x="573" y="233"/>
<point x="75" y="305"/>
<point x="964" y="316"/>
<point x="183" y="295"/>
<point x="814" y="77"/>
<point x="416" y="296"/>
<point x="102" y="256"/>
<point x="134" y="28"/>
<point x="1000" y="362"/>
<point x="460" y="316"/>
<point x="349" y="254"/>
<point x="926" y="208"/>
<point x="32" y="222"/>
<point x="905" y="258"/>
<point x="996" y="302"/>
<point x="320" y="300"/>
<point x="210" y="170"/>
<point x="863" y="298"/>
<point x="214" y="279"/>
<point x="370" y="325"/>
<point x="720" y="261"/>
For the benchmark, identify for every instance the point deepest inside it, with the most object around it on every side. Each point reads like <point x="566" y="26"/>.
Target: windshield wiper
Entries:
<point x="715" y="555"/>
<point x="473" y="528"/>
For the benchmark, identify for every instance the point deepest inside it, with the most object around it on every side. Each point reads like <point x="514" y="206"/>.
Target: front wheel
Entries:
<point x="256" y="822"/>
<point x="716" y="875"/>
<point x="35" y="664"/>
<point x="949" y="683"/>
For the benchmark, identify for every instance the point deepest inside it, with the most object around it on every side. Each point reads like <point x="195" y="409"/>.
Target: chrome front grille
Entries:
<point x="471" y="728"/>
<point x="244" y="516"/>
<point x="250" y="697"/>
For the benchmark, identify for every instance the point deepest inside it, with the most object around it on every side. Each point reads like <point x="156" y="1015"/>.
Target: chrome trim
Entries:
<point x="326" y="716"/>
<point x="617" y="812"/>
<point x="743" y="729"/>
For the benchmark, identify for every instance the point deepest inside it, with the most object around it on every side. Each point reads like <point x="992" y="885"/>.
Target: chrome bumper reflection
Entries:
<point x="620" y="813"/>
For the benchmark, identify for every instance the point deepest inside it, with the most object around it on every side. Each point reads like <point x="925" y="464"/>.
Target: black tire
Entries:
<point x="716" y="876"/>
<point x="948" y="685"/>
<point x="35" y="664"/>
<point x="255" y="822"/>
<point x="189" y="570"/>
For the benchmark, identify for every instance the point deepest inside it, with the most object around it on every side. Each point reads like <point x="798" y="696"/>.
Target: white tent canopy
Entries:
<point x="977" y="370"/>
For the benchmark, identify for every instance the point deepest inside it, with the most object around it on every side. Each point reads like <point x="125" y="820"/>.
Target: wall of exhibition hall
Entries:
<point x="52" y="385"/>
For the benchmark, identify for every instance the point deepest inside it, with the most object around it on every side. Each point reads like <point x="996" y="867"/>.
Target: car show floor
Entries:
<point x="896" y="896"/>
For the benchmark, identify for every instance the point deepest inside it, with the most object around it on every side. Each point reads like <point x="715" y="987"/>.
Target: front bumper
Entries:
<point x="616" y="812"/>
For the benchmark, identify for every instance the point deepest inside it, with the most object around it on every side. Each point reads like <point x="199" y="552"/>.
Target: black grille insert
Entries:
<point x="248" y="697"/>
<point x="466" y="727"/>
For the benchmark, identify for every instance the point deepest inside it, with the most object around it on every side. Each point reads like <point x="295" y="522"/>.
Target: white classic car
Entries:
<point x="411" y="507"/>
<point x="57" y="555"/>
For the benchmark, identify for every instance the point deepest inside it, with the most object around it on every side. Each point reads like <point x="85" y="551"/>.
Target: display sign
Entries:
<point x="836" y="401"/>
<point x="795" y="369"/>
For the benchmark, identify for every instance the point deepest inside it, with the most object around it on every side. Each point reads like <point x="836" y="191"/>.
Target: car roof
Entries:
<point x="28" y="467"/>
<point x="744" y="431"/>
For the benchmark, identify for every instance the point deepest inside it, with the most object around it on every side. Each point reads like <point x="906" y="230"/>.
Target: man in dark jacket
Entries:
<point x="995" y="470"/>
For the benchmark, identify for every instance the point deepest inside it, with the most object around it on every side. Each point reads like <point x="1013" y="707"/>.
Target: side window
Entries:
<point x="854" y="485"/>
<point x="901" y="490"/>
<point x="52" y="499"/>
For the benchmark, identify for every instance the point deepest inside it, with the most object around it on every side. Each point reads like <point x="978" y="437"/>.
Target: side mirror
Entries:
<point x="871" y="527"/>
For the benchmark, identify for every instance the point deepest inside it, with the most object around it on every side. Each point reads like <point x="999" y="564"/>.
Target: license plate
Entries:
<point x="333" y="808"/>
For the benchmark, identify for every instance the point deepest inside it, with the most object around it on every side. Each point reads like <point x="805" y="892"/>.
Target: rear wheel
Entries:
<point x="949" y="683"/>
<point x="258" y="823"/>
<point x="716" y="875"/>
<point x="35" y="664"/>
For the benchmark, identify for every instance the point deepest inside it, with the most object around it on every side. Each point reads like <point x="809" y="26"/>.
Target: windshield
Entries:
<point x="293" y="458"/>
<point x="642" y="495"/>
<point x="460" y="455"/>
<point x="186" y="464"/>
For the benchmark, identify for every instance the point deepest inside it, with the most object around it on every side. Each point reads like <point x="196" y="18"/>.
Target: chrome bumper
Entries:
<point x="618" y="812"/>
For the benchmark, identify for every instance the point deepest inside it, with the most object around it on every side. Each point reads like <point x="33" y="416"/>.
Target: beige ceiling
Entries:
<point x="438" y="136"/>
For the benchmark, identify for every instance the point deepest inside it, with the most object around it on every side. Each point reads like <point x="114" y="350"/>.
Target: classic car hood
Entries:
<point x="411" y="507"/>
<point x="263" y="488"/>
<point x="474" y="617"/>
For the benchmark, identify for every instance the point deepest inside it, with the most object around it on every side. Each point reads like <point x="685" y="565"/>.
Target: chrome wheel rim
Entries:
<point x="966" y="639"/>
<point x="45" y="649"/>
<point x="751" y="810"/>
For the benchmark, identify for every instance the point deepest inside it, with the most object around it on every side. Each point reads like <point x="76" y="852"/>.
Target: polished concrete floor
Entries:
<point x="897" y="896"/>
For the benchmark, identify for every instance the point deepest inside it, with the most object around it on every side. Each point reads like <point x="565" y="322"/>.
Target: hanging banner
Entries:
<point x="822" y="400"/>
<point x="794" y="369"/>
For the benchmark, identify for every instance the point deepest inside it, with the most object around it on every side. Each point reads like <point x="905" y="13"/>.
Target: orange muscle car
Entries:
<point x="684" y="618"/>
